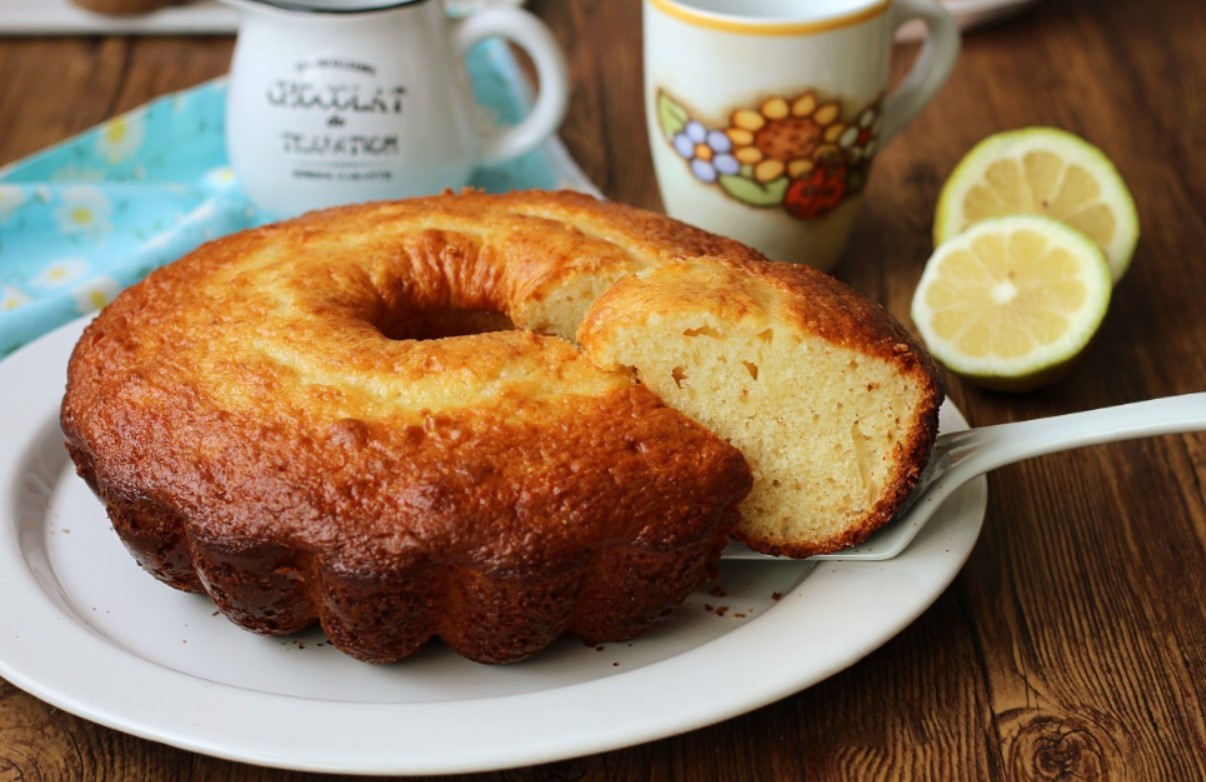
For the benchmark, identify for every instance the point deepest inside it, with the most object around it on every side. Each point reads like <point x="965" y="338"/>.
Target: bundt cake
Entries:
<point x="372" y="417"/>
<point x="832" y="402"/>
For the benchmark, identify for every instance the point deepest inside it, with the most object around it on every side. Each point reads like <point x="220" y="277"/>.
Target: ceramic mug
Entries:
<point x="342" y="101"/>
<point x="765" y="115"/>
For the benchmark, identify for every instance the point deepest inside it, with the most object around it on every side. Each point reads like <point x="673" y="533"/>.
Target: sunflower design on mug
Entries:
<point x="795" y="152"/>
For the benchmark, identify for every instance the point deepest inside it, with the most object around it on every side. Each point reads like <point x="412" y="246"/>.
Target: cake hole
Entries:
<point x="702" y="331"/>
<point x="766" y="336"/>
<point x="678" y="375"/>
<point x="752" y="368"/>
<point x="445" y="323"/>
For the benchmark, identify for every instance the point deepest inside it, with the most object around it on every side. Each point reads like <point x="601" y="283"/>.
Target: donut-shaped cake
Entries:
<point x="373" y="417"/>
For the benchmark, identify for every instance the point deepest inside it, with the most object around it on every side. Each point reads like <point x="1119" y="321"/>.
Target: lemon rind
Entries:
<point x="949" y="221"/>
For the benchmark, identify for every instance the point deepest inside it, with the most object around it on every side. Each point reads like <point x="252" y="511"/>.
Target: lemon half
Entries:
<point x="1011" y="301"/>
<point x="1042" y="171"/>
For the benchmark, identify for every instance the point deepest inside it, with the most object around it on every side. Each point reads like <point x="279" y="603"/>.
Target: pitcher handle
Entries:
<point x="530" y="34"/>
<point x="933" y="66"/>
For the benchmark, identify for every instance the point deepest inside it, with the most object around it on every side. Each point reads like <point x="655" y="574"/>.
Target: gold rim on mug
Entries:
<point x="717" y="21"/>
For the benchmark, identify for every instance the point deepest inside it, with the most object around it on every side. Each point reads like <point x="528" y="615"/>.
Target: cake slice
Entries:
<point x="832" y="402"/>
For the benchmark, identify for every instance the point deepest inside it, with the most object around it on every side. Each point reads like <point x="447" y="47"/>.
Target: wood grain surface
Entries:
<point x="1073" y="643"/>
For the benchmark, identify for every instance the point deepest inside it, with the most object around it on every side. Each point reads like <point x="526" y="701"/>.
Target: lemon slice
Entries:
<point x="1042" y="171"/>
<point x="1011" y="301"/>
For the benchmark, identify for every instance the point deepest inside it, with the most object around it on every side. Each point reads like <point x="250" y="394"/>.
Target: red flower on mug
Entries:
<point x="817" y="194"/>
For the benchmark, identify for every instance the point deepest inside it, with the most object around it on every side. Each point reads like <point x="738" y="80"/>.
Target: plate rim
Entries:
<point x="49" y="667"/>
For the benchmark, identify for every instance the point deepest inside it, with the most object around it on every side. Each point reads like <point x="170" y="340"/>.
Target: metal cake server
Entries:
<point x="960" y="456"/>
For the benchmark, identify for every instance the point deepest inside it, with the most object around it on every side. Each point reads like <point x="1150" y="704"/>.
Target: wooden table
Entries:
<point x="1073" y="643"/>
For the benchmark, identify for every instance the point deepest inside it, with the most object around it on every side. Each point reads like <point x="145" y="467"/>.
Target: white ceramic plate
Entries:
<point x="84" y="629"/>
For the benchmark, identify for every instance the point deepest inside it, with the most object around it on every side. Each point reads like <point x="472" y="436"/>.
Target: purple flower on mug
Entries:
<point x="709" y="152"/>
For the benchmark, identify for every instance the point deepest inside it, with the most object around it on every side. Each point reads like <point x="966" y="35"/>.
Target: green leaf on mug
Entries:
<point x="753" y="192"/>
<point x="672" y="116"/>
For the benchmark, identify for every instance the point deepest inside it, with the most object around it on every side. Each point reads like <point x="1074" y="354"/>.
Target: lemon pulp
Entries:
<point x="1012" y="300"/>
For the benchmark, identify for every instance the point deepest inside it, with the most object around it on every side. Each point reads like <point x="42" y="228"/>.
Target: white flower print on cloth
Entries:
<point x="221" y="178"/>
<point x="121" y="137"/>
<point x="95" y="294"/>
<point x="84" y="210"/>
<point x="61" y="272"/>
<point x="11" y="298"/>
<point x="11" y="198"/>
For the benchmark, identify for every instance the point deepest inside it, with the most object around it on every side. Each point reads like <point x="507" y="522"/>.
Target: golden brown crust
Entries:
<point x="261" y="426"/>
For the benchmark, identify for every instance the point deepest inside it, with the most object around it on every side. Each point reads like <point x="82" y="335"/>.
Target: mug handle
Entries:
<point x="933" y="66"/>
<point x="530" y="34"/>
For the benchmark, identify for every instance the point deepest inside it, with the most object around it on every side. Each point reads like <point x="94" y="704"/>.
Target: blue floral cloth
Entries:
<point x="84" y="219"/>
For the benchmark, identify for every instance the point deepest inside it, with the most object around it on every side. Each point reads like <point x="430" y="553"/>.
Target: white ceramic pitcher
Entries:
<point x="343" y="101"/>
